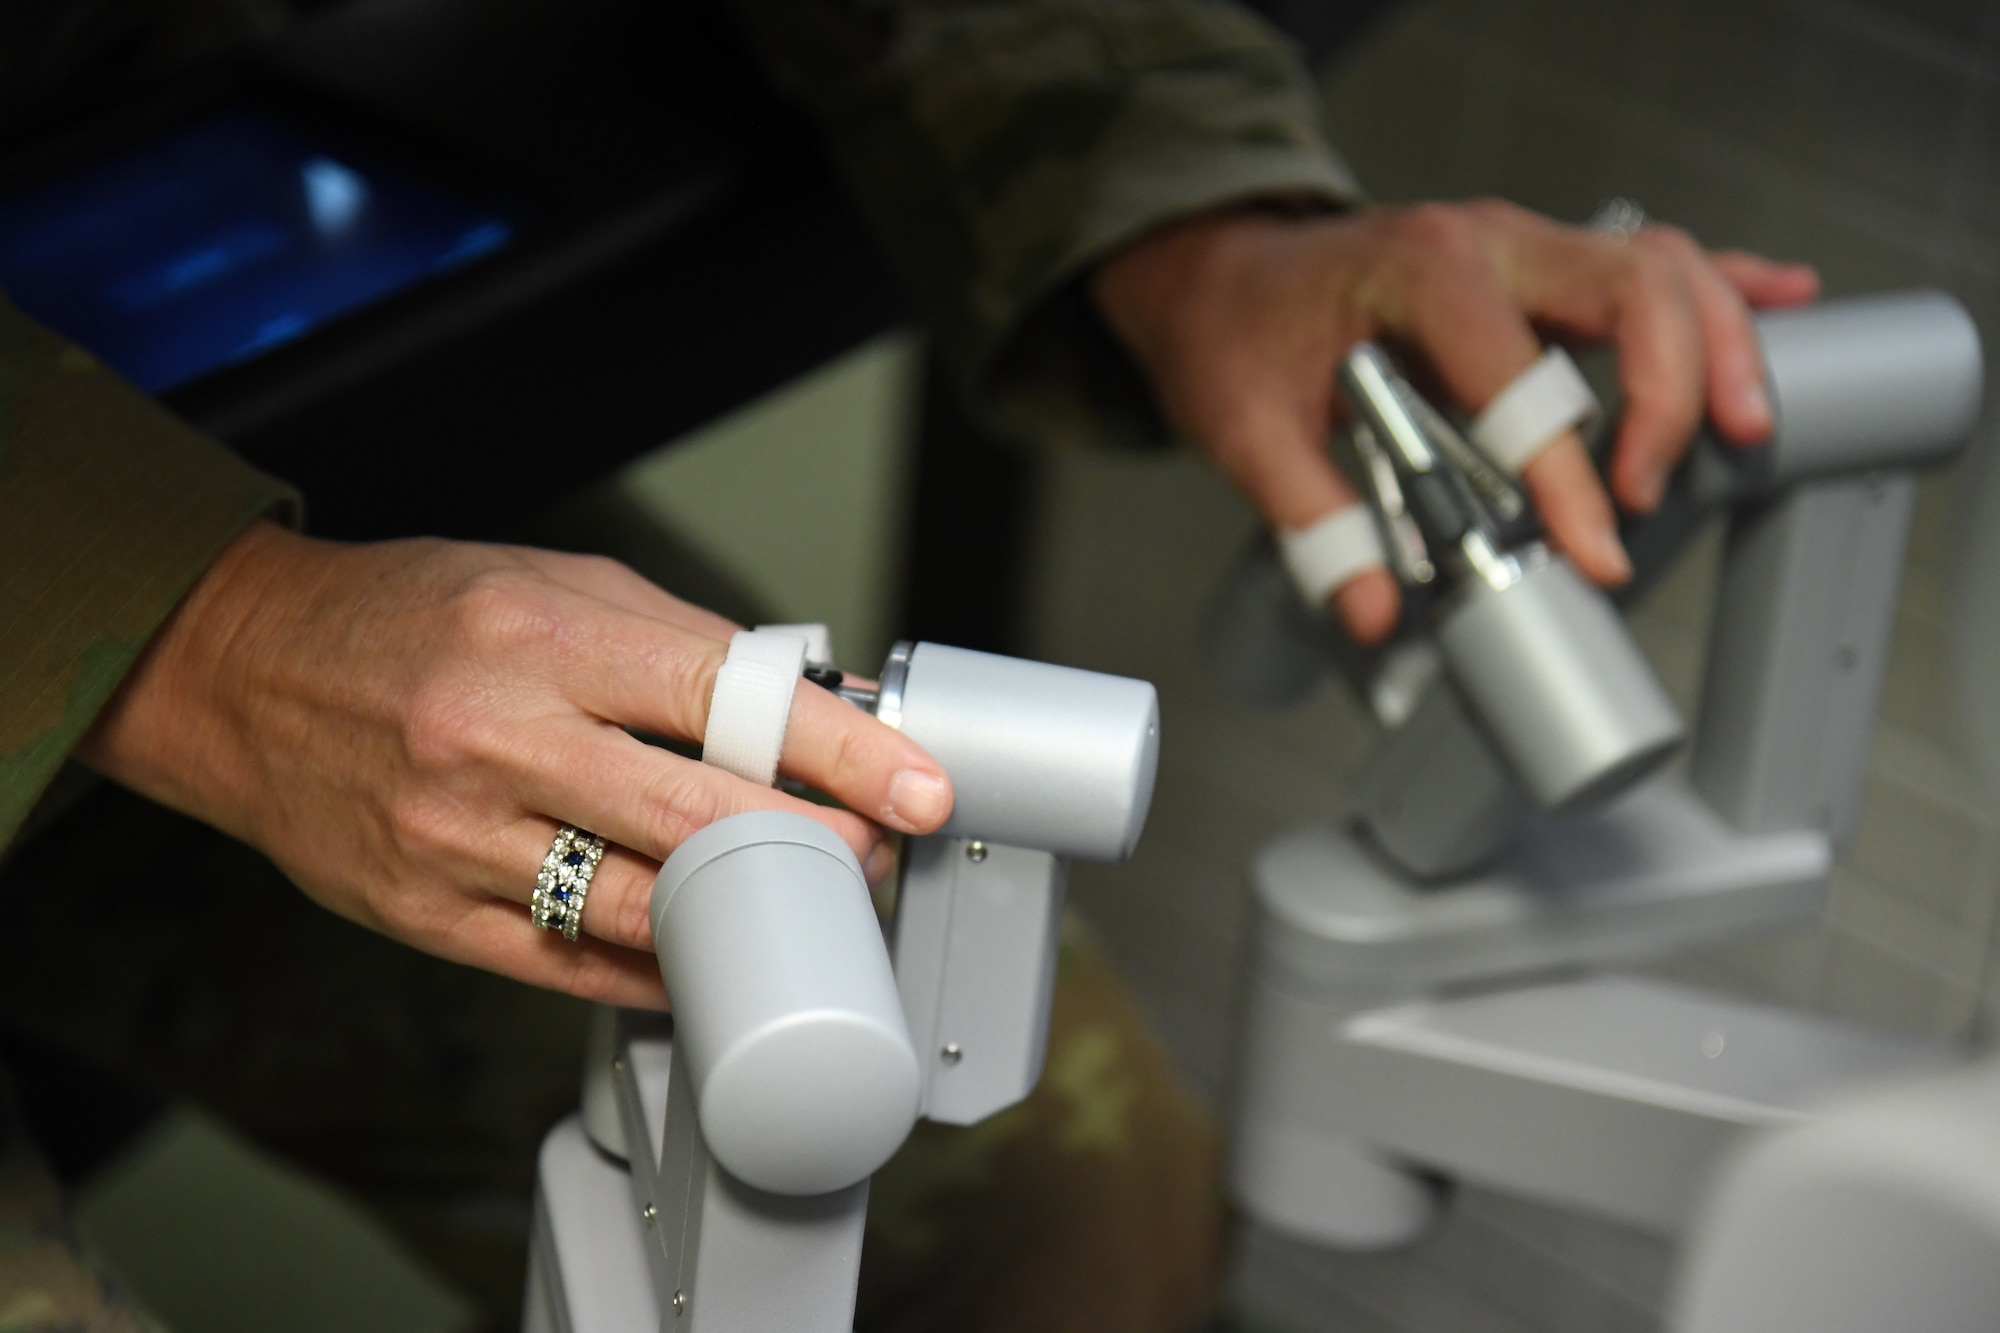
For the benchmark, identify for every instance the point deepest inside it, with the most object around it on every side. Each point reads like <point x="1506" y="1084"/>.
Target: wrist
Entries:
<point x="1139" y="289"/>
<point x="167" y="732"/>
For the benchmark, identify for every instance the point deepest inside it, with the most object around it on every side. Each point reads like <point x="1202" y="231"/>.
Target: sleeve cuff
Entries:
<point x="114" y="508"/>
<point x="1054" y="373"/>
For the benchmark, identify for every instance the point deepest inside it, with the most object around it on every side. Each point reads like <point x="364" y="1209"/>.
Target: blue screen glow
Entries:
<point x="222" y="239"/>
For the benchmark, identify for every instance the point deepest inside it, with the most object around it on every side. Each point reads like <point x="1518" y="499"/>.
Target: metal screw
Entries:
<point x="1712" y="1045"/>
<point x="975" y="852"/>
<point x="951" y="1054"/>
<point x="618" y="1063"/>
<point x="680" y="1303"/>
<point x="648" y="1214"/>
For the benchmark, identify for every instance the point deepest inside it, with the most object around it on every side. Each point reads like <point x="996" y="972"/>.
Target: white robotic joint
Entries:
<point x="785" y="1007"/>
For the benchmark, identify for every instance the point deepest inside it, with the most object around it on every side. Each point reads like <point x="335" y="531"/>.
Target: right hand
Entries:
<point x="1240" y="320"/>
<point x="401" y="727"/>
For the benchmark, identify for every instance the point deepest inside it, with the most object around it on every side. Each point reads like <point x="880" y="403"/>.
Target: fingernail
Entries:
<point x="918" y="801"/>
<point x="1652" y="486"/>
<point x="1757" y="406"/>
<point x="880" y="862"/>
<point x="1611" y="554"/>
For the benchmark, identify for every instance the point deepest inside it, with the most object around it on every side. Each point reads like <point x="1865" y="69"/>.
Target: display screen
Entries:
<point x="222" y="239"/>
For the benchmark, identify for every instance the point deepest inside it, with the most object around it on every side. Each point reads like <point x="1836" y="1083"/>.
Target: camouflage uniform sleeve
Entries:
<point x="1002" y="147"/>
<point x="110" y="509"/>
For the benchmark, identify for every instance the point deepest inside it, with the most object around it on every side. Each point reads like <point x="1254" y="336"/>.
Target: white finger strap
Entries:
<point x="819" y="640"/>
<point x="752" y="703"/>
<point x="1540" y="403"/>
<point x="1322" y="557"/>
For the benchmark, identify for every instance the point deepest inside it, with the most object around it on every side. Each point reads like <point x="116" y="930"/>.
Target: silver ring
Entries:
<point x="1618" y="219"/>
<point x="564" y="880"/>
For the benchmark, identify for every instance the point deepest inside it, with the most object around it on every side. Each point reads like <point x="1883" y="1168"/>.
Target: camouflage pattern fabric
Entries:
<point x="113" y="508"/>
<point x="999" y="147"/>
<point x="1002" y="147"/>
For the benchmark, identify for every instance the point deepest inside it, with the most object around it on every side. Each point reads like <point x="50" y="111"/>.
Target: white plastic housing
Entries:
<point x="803" y="1074"/>
<point x="1559" y="685"/>
<point x="1884" y="1214"/>
<point x="1040" y="756"/>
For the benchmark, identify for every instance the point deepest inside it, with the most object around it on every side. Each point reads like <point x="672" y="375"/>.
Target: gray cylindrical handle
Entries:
<point x="1554" y="676"/>
<point x="784" y="1003"/>
<point x="1040" y="756"/>
<point x="1867" y="382"/>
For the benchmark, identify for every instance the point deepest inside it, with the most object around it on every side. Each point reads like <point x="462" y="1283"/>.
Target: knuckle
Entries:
<point x="426" y="833"/>
<point x="1493" y="211"/>
<point x="687" y="666"/>
<point x="413" y="828"/>
<point x="631" y="924"/>
<point x="504" y="609"/>
<point x="444" y="727"/>
<point x="1652" y="267"/>
<point x="1667" y="239"/>
<point x="1652" y="289"/>
<point x="682" y="804"/>
<point x="603" y="567"/>
<point x="587" y="977"/>
<point x="1439" y="229"/>
<point x="856" y="756"/>
<point x="1665" y="418"/>
<point x="393" y="908"/>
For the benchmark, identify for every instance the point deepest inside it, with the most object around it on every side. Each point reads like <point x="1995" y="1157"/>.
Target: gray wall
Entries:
<point x="1862" y="137"/>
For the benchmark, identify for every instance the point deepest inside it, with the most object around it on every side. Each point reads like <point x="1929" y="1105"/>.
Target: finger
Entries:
<point x="617" y="907"/>
<point x="1639" y="295"/>
<point x="869" y="766"/>
<point x="1661" y="368"/>
<point x="499" y="937"/>
<point x="1766" y="282"/>
<point x="1472" y="330"/>
<point x="1369" y="605"/>
<point x="1562" y="482"/>
<point x="1737" y="401"/>
<point x="661" y="680"/>
<point x="1450" y="299"/>
<point x="644" y="798"/>
<point x="1275" y="451"/>
<point x="636" y="671"/>
<point x="610" y="581"/>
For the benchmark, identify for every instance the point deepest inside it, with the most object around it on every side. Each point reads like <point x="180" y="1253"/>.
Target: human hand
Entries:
<point x="403" y="726"/>
<point x="1241" y="319"/>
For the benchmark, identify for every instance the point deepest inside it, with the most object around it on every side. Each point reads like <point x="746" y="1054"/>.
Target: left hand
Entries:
<point x="1240" y="320"/>
<point x="403" y="726"/>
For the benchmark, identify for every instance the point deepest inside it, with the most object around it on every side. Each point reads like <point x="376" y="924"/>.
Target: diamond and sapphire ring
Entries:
<point x="564" y="880"/>
<point x="1618" y="219"/>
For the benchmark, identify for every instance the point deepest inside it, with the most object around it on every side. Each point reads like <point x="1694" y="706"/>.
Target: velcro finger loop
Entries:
<point x="1548" y="398"/>
<point x="819" y="640"/>
<point x="1322" y="557"/>
<point x="752" y="703"/>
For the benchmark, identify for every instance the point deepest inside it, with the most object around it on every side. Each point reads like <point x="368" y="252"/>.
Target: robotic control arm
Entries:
<point x="803" y="1048"/>
<point x="1516" y="691"/>
<point x="1422" y="993"/>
